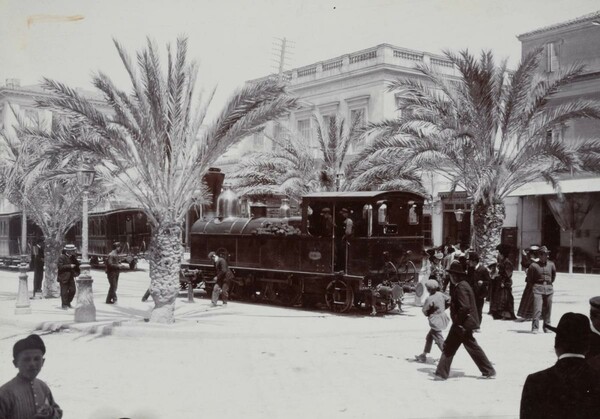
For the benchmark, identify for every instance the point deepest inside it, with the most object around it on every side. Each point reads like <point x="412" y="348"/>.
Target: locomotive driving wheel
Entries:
<point x="339" y="296"/>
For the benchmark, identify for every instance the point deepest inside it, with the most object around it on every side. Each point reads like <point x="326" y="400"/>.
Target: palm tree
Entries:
<point x="48" y="192"/>
<point x="292" y="168"/>
<point x="486" y="131"/>
<point x="155" y="148"/>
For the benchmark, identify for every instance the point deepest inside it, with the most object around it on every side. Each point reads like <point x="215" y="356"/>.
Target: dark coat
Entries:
<point x="112" y="262"/>
<point x="463" y="308"/>
<point x="65" y="272"/>
<point x="481" y="273"/>
<point x="594" y="349"/>
<point x="223" y="272"/>
<point x="569" y="389"/>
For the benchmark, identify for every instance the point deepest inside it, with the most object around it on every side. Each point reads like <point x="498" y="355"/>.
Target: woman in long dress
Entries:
<point x="502" y="302"/>
<point x="525" y="311"/>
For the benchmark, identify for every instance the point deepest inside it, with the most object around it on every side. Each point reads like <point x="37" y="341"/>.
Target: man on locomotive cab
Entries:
<point x="223" y="279"/>
<point x="326" y="222"/>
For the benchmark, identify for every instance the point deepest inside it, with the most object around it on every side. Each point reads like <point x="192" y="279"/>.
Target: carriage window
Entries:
<point x="382" y="214"/>
<point x="413" y="218"/>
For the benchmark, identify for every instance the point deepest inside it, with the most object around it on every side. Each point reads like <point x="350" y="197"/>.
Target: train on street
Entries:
<point x="304" y="260"/>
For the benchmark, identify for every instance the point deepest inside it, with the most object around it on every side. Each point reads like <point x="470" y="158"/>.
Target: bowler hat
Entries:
<point x="456" y="268"/>
<point x="70" y="247"/>
<point x="595" y="303"/>
<point x="572" y="328"/>
<point x="30" y="342"/>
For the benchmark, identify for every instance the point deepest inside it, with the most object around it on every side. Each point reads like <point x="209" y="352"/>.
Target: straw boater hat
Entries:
<point x="438" y="255"/>
<point x="70" y="248"/>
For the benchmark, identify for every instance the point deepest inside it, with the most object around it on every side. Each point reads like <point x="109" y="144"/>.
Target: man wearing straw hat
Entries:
<point x="68" y="269"/>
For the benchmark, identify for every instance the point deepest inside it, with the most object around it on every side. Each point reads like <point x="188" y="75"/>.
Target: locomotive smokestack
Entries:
<point x="214" y="180"/>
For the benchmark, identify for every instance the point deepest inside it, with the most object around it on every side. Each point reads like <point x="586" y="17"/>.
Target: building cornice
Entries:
<point x="568" y="25"/>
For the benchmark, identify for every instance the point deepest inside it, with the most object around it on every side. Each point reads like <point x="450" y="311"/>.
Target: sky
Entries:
<point x="233" y="40"/>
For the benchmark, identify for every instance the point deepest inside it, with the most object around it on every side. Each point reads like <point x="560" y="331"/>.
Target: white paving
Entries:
<point x="259" y="361"/>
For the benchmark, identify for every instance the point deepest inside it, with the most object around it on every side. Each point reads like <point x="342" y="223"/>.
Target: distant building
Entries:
<point x="564" y="44"/>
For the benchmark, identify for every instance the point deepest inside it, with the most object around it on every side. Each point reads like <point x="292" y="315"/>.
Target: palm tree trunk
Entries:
<point x="52" y="251"/>
<point x="487" y="224"/>
<point x="165" y="253"/>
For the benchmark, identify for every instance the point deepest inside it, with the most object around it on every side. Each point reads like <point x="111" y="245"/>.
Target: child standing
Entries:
<point x="25" y="396"/>
<point x="434" y="308"/>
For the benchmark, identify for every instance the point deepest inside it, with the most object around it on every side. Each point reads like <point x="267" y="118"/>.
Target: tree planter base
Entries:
<point x="23" y="305"/>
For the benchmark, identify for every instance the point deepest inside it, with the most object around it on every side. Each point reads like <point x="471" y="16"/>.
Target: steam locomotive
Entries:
<point x="303" y="259"/>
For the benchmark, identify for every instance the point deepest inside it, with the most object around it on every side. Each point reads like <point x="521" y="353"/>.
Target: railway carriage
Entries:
<point x="10" y="238"/>
<point x="293" y="260"/>
<point x="129" y="226"/>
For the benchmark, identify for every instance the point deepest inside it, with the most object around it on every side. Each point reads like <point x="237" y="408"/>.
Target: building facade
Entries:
<point x="576" y="221"/>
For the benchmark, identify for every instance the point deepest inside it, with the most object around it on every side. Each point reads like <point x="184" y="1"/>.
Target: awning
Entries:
<point x="582" y="184"/>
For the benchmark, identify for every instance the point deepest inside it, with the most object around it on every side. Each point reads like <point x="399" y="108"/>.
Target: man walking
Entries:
<point x="481" y="282"/>
<point x="223" y="279"/>
<point x="463" y="312"/>
<point x="542" y="275"/>
<point x="68" y="269"/>
<point x="112" y="272"/>
<point x="570" y="388"/>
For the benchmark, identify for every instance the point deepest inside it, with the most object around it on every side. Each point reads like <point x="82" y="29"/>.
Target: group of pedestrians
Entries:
<point x="69" y="268"/>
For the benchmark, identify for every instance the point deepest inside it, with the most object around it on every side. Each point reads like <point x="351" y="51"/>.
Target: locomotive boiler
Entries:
<point x="305" y="259"/>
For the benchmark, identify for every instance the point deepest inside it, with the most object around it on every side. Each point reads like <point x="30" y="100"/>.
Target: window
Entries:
<point x="258" y="141"/>
<point x="427" y="230"/>
<point x="358" y="115"/>
<point x="304" y="128"/>
<point x="551" y="57"/>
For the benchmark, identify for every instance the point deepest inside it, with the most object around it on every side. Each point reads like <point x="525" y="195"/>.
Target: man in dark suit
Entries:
<point x="223" y="279"/>
<point x="593" y="354"/>
<point x="570" y="388"/>
<point x="481" y="281"/>
<point x="463" y="311"/>
<point x="68" y="269"/>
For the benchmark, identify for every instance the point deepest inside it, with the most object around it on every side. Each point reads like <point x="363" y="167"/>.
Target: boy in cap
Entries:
<point x="434" y="308"/>
<point x="68" y="269"/>
<point x="26" y="397"/>
<point x="570" y="388"/>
